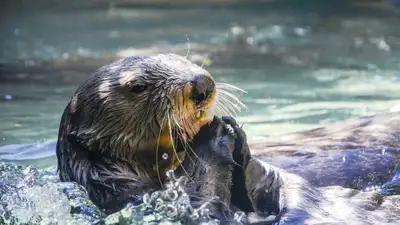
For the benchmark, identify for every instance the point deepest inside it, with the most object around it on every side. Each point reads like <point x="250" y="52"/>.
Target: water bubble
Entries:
<point x="159" y="201"/>
<point x="159" y="207"/>
<point x="195" y="215"/>
<point x="172" y="195"/>
<point x="171" y="211"/>
<point x="156" y="195"/>
<point x="239" y="216"/>
<point x="146" y="198"/>
<point x="165" y="156"/>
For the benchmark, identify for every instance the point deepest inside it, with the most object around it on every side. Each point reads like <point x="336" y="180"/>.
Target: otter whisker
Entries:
<point x="186" y="145"/>
<point x="233" y="92"/>
<point x="158" y="143"/>
<point x="176" y="123"/>
<point x="225" y="104"/>
<point x="184" y="140"/>
<point x="202" y="64"/>
<point x="222" y="110"/>
<point x="188" y="41"/>
<point x="225" y="99"/>
<point x="233" y="97"/>
<point x="229" y="86"/>
<point x="181" y="139"/>
<point x="173" y="147"/>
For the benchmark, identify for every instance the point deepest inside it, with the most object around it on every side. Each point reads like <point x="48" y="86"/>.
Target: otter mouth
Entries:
<point x="196" y="108"/>
<point x="203" y="113"/>
<point x="200" y="100"/>
<point x="200" y="113"/>
<point x="221" y="100"/>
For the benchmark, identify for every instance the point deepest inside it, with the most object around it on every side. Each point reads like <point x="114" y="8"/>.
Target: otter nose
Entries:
<point x="202" y="87"/>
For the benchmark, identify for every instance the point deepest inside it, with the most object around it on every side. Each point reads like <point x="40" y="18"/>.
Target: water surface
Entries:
<point x="312" y="67"/>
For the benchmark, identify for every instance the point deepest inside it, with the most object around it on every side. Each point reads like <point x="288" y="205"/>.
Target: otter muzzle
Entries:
<point x="202" y="88"/>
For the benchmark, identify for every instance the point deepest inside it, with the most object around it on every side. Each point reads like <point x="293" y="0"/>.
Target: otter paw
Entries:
<point x="236" y="129"/>
<point x="219" y="138"/>
<point x="241" y="151"/>
<point x="210" y="131"/>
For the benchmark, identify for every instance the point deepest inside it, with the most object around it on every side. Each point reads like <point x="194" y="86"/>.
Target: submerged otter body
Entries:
<point x="356" y="153"/>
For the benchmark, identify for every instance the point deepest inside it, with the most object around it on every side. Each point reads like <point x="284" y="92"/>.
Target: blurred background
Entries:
<point x="304" y="63"/>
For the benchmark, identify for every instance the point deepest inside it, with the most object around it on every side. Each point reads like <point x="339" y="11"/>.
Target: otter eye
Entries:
<point x="138" y="88"/>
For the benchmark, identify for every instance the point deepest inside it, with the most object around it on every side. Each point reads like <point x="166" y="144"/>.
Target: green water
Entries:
<point x="312" y="67"/>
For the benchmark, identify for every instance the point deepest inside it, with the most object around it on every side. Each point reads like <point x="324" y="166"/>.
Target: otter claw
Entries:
<point x="239" y="133"/>
<point x="241" y="151"/>
<point x="230" y="131"/>
<point x="229" y="120"/>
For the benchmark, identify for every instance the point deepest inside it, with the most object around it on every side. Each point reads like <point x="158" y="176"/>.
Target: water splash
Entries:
<point x="32" y="196"/>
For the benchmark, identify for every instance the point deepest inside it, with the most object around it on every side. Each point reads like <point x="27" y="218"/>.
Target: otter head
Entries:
<point x="137" y="103"/>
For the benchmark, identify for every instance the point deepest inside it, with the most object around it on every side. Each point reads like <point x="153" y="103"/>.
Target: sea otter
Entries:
<point x="133" y="120"/>
<point x="136" y="118"/>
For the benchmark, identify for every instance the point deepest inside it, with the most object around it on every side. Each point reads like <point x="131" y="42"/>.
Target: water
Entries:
<point x="311" y="69"/>
<point x="303" y="67"/>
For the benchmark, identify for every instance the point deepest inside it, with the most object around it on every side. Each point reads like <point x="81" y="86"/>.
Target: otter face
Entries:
<point x="146" y="99"/>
